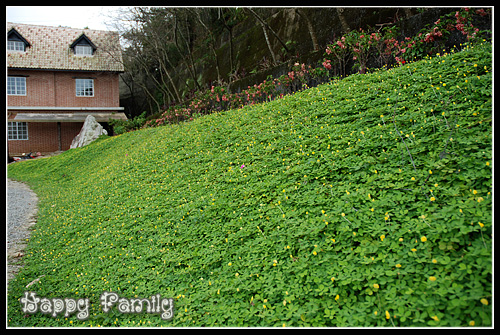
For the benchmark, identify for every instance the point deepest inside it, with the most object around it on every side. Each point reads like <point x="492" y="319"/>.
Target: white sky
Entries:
<point x="93" y="17"/>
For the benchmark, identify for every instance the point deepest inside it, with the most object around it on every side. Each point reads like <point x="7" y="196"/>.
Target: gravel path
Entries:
<point x="21" y="216"/>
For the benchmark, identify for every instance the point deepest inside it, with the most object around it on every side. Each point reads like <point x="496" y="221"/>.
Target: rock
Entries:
<point x="91" y="130"/>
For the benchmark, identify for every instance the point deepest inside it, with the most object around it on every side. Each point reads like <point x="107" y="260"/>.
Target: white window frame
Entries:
<point x="17" y="131"/>
<point x="17" y="46"/>
<point x="16" y="85"/>
<point x="84" y="87"/>
<point x="83" y="50"/>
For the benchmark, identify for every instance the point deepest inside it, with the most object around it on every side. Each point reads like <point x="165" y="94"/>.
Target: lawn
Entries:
<point x="362" y="202"/>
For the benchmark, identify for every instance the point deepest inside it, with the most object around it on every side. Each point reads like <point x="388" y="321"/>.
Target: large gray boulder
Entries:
<point x="91" y="130"/>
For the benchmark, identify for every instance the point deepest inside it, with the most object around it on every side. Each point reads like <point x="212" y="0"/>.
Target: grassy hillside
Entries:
<point x="362" y="202"/>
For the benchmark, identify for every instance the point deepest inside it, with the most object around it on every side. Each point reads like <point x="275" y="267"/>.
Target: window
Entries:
<point x="17" y="131"/>
<point x="16" y="85"/>
<point x="83" y="46"/>
<point x="84" y="87"/>
<point x="83" y="50"/>
<point x="15" y="46"/>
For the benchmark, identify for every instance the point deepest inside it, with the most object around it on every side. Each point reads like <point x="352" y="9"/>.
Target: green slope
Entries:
<point x="362" y="202"/>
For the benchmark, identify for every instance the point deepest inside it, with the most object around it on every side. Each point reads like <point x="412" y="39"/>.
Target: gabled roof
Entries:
<point x="51" y="48"/>
<point x="13" y="34"/>
<point x="83" y="40"/>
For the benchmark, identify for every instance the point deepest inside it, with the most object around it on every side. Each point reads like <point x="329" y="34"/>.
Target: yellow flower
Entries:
<point x="430" y="171"/>
<point x="412" y="178"/>
<point x="480" y="224"/>
<point x="375" y="286"/>
<point x="484" y="301"/>
<point x="434" y="261"/>
<point x="398" y="265"/>
<point x="423" y="239"/>
<point x="433" y="199"/>
<point x="432" y="278"/>
<point x="343" y="214"/>
<point x="337" y="297"/>
<point x="400" y="239"/>
<point x="229" y="263"/>
<point x="413" y="249"/>
<point x="315" y="253"/>
<point x="382" y="237"/>
<point x="387" y="315"/>
<point x="435" y="318"/>
<point x="480" y="199"/>
<point x="474" y="192"/>
<point x="472" y="323"/>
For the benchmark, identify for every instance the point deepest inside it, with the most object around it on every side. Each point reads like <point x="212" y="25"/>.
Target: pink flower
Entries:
<point x="242" y="166"/>
<point x="328" y="51"/>
<point x="481" y="12"/>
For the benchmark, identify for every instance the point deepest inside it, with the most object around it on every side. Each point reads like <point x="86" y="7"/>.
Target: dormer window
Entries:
<point x="83" y="46"/>
<point x="83" y="50"/>
<point x="15" y="42"/>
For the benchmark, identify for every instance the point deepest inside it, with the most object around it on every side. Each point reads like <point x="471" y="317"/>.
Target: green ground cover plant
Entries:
<point x="361" y="202"/>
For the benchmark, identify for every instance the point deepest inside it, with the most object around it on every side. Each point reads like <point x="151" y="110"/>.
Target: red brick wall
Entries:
<point x="57" y="88"/>
<point x="43" y="137"/>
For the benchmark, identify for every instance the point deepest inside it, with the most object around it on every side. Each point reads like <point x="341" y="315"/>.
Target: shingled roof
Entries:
<point x="50" y="48"/>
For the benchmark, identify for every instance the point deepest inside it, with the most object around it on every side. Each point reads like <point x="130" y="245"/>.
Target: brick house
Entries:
<point x="56" y="76"/>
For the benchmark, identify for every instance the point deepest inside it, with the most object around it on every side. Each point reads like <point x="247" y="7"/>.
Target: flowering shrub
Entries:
<point x="358" y="45"/>
<point x="340" y="50"/>
<point x="362" y="46"/>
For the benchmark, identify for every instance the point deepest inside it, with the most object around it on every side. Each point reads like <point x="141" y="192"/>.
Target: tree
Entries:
<point x="266" y="27"/>
<point x="183" y="30"/>
<point x="310" y="27"/>
<point x="202" y="16"/>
